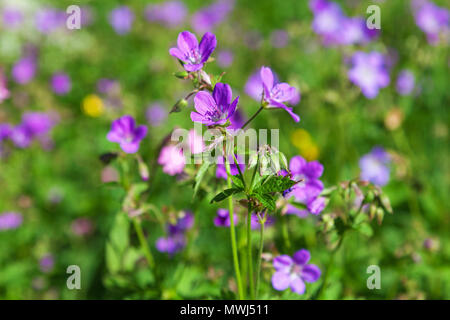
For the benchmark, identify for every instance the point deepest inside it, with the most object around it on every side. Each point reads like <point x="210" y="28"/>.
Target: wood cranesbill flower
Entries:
<point x="193" y="54"/>
<point x="176" y="239"/>
<point x="125" y="132"/>
<point x="375" y="166"/>
<point x="214" y="109"/>
<point x="293" y="272"/>
<point x="223" y="218"/>
<point x="431" y="19"/>
<point x="276" y="94"/>
<point x="172" y="159"/>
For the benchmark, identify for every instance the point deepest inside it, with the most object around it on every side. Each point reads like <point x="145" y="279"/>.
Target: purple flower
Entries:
<point x="374" y="166"/>
<point x="10" y="220"/>
<point x="194" y="55"/>
<point x="175" y="239"/>
<point x="24" y="70"/>
<point x="170" y="13"/>
<point x="48" y="20"/>
<point x="433" y="20"/>
<point x="34" y="125"/>
<point x="5" y="131"/>
<point x="255" y="224"/>
<point x="237" y="120"/>
<point x="125" y="132"/>
<point x="223" y="218"/>
<point x="405" y="82"/>
<point x="11" y="17"/>
<point x="121" y="19"/>
<point x="279" y="38"/>
<point x="275" y="94"/>
<point x="172" y="159"/>
<point x="4" y="92"/>
<point x="20" y="136"/>
<point x="195" y="141"/>
<point x="214" y="109"/>
<point x="209" y="17"/>
<point x="46" y="263"/>
<point x="105" y="85"/>
<point x="221" y="171"/>
<point x="156" y="114"/>
<point x="294" y="272"/>
<point x="369" y="71"/>
<point x="61" y="83"/>
<point x="308" y="190"/>
<point x="224" y="58"/>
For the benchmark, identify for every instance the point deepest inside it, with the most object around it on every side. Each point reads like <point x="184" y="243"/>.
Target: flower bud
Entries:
<point x="180" y="105"/>
<point x="181" y="74"/>
<point x="380" y="215"/>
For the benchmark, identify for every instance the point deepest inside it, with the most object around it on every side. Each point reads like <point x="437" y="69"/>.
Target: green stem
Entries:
<point x="253" y="117"/>
<point x="143" y="242"/>
<point x="233" y="236"/>
<point x="285" y="233"/>
<point x="261" y="245"/>
<point x="249" y="253"/>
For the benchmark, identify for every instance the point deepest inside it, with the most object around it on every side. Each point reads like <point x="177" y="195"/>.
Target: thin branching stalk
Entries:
<point x="144" y="245"/>
<point x="260" y="250"/>
<point x="249" y="253"/>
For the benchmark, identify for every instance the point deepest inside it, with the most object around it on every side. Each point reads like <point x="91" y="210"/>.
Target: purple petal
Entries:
<point x="128" y="147"/>
<point x="197" y="117"/>
<point x="113" y="137"/>
<point x="297" y="164"/>
<point x="267" y="78"/>
<point x="232" y="107"/>
<point x="301" y="257"/>
<point x="187" y="42"/>
<point x="282" y="106"/>
<point x="207" y="45"/>
<point x="177" y="53"/>
<point x="204" y="102"/>
<point x="140" y="133"/>
<point x="282" y="263"/>
<point x="317" y="205"/>
<point x="313" y="169"/>
<point x="281" y="280"/>
<point x="297" y="285"/>
<point x="222" y="95"/>
<point x="193" y="67"/>
<point x="310" y="273"/>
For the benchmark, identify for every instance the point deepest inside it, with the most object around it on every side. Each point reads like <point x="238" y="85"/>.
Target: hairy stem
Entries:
<point x="253" y="117"/>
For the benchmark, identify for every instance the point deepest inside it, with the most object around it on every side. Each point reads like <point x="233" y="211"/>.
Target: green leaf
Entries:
<point x="199" y="176"/>
<point x="237" y="180"/>
<point x="276" y="184"/>
<point x="225" y="194"/>
<point x="112" y="259"/>
<point x="118" y="235"/>
<point x="266" y="200"/>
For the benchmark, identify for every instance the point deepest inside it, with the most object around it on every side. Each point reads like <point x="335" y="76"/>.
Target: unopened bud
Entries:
<point x="380" y="215"/>
<point x="181" y="74"/>
<point x="180" y="105"/>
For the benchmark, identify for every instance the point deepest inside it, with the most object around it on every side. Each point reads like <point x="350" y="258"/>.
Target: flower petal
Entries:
<point x="197" y="117"/>
<point x="313" y="169"/>
<point x="222" y="95"/>
<point x="282" y="263"/>
<point x="204" y="102"/>
<point x="310" y="273"/>
<point x="267" y="78"/>
<point x="297" y="164"/>
<point x="232" y="107"/>
<point x="281" y="280"/>
<point x="301" y="257"/>
<point x="282" y="106"/>
<point x="193" y="67"/>
<point x="297" y="285"/>
<point x="140" y="133"/>
<point x="207" y="45"/>
<point x="177" y="53"/>
<point x="187" y="42"/>
<point x="128" y="147"/>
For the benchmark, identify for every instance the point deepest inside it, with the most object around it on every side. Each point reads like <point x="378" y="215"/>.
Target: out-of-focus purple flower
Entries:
<point x="82" y="227"/>
<point x="369" y="72"/>
<point x="224" y="58"/>
<point x="171" y="158"/>
<point x="5" y="131"/>
<point x="279" y="38"/>
<point x="170" y="14"/>
<point x="11" y="17"/>
<point x="206" y="19"/>
<point x="156" y="114"/>
<point x="46" y="263"/>
<point x="10" y="220"/>
<point x="196" y="143"/>
<point x="48" y="20"/>
<point x="308" y="190"/>
<point x="125" y="132"/>
<point x="214" y="109"/>
<point x="223" y="218"/>
<point x="405" y="82"/>
<point x="37" y="123"/>
<point x="431" y="19"/>
<point x="175" y="239"/>
<point x="221" y="171"/>
<point x="20" y="136"/>
<point x="253" y="40"/>
<point x="193" y="54"/>
<point x="121" y="19"/>
<point x="375" y="166"/>
<point x="255" y="224"/>
<point x="276" y="94"/>
<point x="4" y="92"/>
<point x="109" y="174"/>
<point x="336" y="28"/>
<point x="61" y="83"/>
<point x="293" y="272"/>
<point x="105" y="85"/>
<point x="24" y="70"/>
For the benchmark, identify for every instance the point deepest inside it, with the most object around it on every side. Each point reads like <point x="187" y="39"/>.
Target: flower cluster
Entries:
<point x="336" y="28"/>
<point x="176" y="238"/>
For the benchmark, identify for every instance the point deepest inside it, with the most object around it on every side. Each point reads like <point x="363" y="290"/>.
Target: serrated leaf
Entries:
<point x="237" y="180"/>
<point x="266" y="200"/>
<point x="225" y="194"/>
<point x="276" y="184"/>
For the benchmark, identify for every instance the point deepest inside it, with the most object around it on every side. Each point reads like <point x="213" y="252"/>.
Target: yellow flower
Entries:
<point x="306" y="146"/>
<point x="92" y="105"/>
